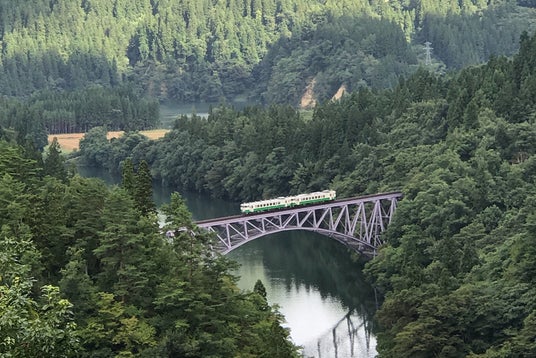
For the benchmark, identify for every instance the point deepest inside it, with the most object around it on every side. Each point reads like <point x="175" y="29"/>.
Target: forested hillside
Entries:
<point x="456" y="273"/>
<point x="262" y="50"/>
<point x="86" y="271"/>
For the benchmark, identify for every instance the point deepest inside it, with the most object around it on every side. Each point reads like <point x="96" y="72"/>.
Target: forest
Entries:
<point x="266" y="51"/>
<point x="85" y="269"/>
<point x="456" y="274"/>
<point x="30" y="120"/>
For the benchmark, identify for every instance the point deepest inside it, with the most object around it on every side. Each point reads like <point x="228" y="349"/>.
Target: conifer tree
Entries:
<point x="260" y="289"/>
<point x="143" y="189"/>
<point x="120" y="247"/>
<point x="127" y="176"/>
<point x="54" y="162"/>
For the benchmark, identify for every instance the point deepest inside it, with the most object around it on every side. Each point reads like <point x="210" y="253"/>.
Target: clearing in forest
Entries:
<point x="71" y="141"/>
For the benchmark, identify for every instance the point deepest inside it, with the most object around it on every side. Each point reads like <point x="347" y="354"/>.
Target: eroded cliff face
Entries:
<point x="308" y="99"/>
<point x="340" y="92"/>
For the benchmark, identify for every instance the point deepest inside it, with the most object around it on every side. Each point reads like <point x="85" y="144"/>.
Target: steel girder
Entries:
<point x="355" y="222"/>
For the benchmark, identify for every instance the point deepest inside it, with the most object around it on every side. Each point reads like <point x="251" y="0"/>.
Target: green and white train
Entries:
<point x="284" y="202"/>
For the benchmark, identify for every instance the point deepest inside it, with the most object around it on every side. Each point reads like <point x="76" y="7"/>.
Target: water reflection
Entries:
<point x="100" y="173"/>
<point x="201" y="206"/>
<point x="170" y="110"/>
<point x="350" y="337"/>
<point x="319" y="288"/>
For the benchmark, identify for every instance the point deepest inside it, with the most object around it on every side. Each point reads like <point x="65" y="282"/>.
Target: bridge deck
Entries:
<point x="337" y="202"/>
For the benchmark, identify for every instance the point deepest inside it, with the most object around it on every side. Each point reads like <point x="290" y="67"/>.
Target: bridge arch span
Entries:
<point x="354" y="222"/>
<point x="341" y="238"/>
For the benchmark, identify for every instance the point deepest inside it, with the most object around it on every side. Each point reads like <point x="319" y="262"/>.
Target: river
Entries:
<point x="319" y="289"/>
<point x="170" y="110"/>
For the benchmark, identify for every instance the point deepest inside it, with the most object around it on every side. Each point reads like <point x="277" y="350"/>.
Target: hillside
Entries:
<point x="262" y="50"/>
<point x="85" y="270"/>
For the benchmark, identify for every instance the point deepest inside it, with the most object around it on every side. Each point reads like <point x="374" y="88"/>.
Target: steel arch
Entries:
<point x="356" y="222"/>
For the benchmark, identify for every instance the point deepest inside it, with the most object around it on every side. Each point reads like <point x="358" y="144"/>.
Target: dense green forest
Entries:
<point x="85" y="271"/>
<point x="50" y="112"/>
<point x="262" y="50"/>
<point x="456" y="274"/>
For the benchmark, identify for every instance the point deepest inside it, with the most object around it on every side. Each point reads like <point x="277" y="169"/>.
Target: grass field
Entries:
<point x="71" y="141"/>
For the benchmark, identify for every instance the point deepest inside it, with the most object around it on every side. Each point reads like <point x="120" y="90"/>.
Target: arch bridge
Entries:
<point x="356" y="222"/>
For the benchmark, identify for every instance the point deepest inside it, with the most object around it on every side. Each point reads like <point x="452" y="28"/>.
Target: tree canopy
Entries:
<point x="85" y="271"/>
<point x="455" y="275"/>
<point x="270" y="50"/>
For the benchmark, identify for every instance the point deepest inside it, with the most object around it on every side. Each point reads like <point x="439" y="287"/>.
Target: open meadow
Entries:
<point x="71" y="141"/>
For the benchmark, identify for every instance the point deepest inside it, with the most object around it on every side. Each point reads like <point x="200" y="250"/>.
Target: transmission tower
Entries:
<point x="428" y="49"/>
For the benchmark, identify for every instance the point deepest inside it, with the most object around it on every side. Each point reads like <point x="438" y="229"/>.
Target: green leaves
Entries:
<point x="131" y="291"/>
<point x="139" y="185"/>
<point x="177" y="213"/>
<point x="31" y="327"/>
<point x="112" y="329"/>
<point x="54" y="163"/>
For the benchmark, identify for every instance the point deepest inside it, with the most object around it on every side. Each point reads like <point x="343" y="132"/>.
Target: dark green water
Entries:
<point x="169" y="111"/>
<point x="326" y="302"/>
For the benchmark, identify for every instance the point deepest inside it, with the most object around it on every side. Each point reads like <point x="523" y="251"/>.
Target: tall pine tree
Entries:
<point x="139" y="185"/>
<point x="54" y="162"/>
<point x="143" y="189"/>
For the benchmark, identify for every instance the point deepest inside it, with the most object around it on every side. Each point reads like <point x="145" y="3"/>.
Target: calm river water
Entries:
<point x="321" y="292"/>
<point x="326" y="302"/>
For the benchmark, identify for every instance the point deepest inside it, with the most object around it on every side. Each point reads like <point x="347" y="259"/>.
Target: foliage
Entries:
<point x="341" y="53"/>
<point x="205" y="50"/>
<point x="51" y="112"/>
<point x="139" y="186"/>
<point x="31" y="325"/>
<point x="456" y="274"/>
<point x="55" y="163"/>
<point x="86" y="271"/>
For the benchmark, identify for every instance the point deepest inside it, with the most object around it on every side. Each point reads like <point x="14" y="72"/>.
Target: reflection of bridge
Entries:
<point x="349" y="337"/>
<point x="355" y="222"/>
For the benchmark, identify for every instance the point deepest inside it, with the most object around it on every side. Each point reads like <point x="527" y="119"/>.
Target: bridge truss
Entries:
<point x="355" y="222"/>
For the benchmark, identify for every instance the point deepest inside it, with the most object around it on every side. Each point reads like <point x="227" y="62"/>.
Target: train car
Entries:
<point x="316" y="197"/>
<point x="284" y="202"/>
<point x="264" y="205"/>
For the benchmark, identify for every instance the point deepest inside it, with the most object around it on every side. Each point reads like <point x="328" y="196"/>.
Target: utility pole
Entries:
<point x="428" y="49"/>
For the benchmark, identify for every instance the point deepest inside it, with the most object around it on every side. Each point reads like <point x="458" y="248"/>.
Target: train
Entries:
<point x="284" y="202"/>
